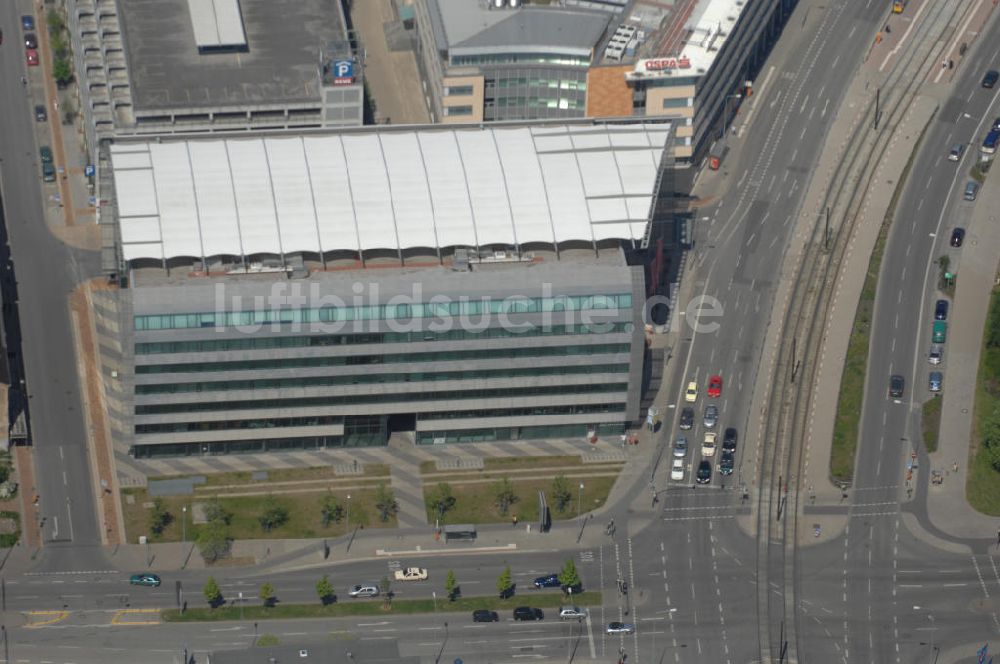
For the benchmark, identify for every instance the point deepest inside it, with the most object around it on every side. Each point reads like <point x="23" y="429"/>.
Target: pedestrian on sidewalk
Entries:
<point x="513" y="520"/>
<point x="954" y="467"/>
<point x="887" y="30"/>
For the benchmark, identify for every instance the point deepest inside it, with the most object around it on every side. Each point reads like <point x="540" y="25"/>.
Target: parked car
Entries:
<point x="971" y="190"/>
<point x="40" y="114"/>
<point x="957" y="237"/>
<point x="687" y="418"/>
<point x="996" y="125"/>
<point x="934" y="381"/>
<point x="956" y="152"/>
<point x="934" y="356"/>
<point x="711" y="416"/>
<point x="621" y="628"/>
<point x="45" y="152"/>
<point x="571" y="613"/>
<point x="548" y="581"/>
<point x="528" y="613"/>
<point x="941" y="310"/>
<point x="715" y="386"/>
<point x="691" y="394"/>
<point x="482" y="615"/>
<point x="146" y="579"/>
<point x="28" y="22"/>
<point x="681" y="446"/>
<point x="677" y="470"/>
<point x="704" y="474"/>
<point x="990" y="79"/>
<point x="48" y="173"/>
<point x="31" y="55"/>
<point x="727" y="463"/>
<point x="30" y="40"/>
<point x="708" y="447"/>
<point x="364" y="590"/>
<point x="411" y="574"/>
<point x="896" y="386"/>
<point x="729" y="440"/>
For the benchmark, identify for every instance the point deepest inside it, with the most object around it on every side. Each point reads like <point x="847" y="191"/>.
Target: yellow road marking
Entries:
<point x="43" y="618"/>
<point x="121" y="617"/>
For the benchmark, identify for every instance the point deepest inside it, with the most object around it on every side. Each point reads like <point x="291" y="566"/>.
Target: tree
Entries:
<point x="568" y="577"/>
<point x="331" y="509"/>
<point x="505" y="496"/>
<point x="325" y="590"/>
<point x="213" y="541"/>
<point x="267" y="594"/>
<point x="441" y="499"/>
<point x="55" y="22"/>
<point x="993" y="323"/>
<point x="990" y="433"/>
<point x="212" y="593"/>
<point x="504" y="584"/>
<point x="385" y="587"/>
<point x="562" y="496"/>
<point x="62" y="71"/>
<point x="274" y="515"/>
<point x="159" y="518"/>
<point x="216" y="511"/>
<point x="385" y="502"/>
<point x="59" y="46"/>
<point x="451" y="586"/>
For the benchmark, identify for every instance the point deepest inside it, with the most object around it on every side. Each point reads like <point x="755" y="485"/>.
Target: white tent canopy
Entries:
<point x="386" y="189"/>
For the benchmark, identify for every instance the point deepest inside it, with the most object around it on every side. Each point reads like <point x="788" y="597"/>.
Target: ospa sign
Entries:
<point x="660" y="64"/>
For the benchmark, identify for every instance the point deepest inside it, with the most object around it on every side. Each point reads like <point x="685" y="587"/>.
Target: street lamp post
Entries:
<point x="348" y="511"/>
<point x="579" y="500"/>
<point x="184" y="523"/>
<point x="930" y="616"/>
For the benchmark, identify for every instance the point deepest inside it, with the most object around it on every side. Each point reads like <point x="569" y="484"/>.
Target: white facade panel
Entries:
<point x="125" y="160"/>
<point x="254" y="199"/>
<point x="131" y="252"/>
<point x="446" y="181"/>
<point x="370" y="185"/>
<point x="638" y="170"/>
<point x="411" y="199"/>
<point x="175" y="193"/>
<point x="143" y="230"/>
<point x="332" y="192"/>
<point x="220" y="231"/>
<point x="599" y="173"/>
<point x="487" y="187"/>
<point x="136" y="193"/>
<point x="607" y="209"/>
<point x="569" y="210"/>
<point x="293" y="202"/>
<point x="553" y="142"/>
<point x="528" y="201"/>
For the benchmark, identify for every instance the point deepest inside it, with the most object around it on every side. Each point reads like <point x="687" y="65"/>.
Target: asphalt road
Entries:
<point x="47" y="272"/>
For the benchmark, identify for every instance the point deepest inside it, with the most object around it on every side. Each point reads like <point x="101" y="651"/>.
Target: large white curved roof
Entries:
<point x="433" y="187"/>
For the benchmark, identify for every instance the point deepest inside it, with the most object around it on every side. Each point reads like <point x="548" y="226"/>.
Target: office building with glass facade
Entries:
<point x="327" y="290"/>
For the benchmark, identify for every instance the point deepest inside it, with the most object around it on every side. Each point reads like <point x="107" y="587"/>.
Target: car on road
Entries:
<point x="528" y="613"/>
<point x="1" y="36"/>
<point x="990" y="79"/>
<point x="40" y="114"/>
<point x="31" y="55"/>
<point x="482" y="615"/>
<point x="934" y="356"/>
<point x="45" y="152"/>
<point x="48" y="173"/>
<point x="727" y="463"/>
<point x="30" y="40"/>
<point x="729" y="440"/>
<point x="364" y="590"/>
<point x="548" y="581"/>
<point x="896" y="386"/>
<point x="711" y="417"/>
<point x="957" y="237"/>
<point x="621" y="628"/>
<point x="28" y="22"/>
<point x="715" y="386"/>
<point x="571" y="613"/>
<point x="996" y="125"/>
<point x="148" y="580"/>
<point x="677" y="470"/>
<point x="941" y="310"/>
<point x="704" y="474"/>
<point x="691" y="393"/>
<point x="971" y="190"/>
<point x="956" y="152"/>
<point x="687" y="418"/>
<point x="411" y="574"/>
<point x="708" y="447"/>
<point x="934" y="381"/>
<point x="681" y="446"/>
<point x="939" y="332"/>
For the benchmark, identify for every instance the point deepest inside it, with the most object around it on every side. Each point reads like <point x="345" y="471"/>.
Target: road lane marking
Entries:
<point x="123" y="617"/>
<point x="44" y="618"/>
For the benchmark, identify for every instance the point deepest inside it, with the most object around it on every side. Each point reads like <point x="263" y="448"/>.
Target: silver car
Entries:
<point x="681" y="446"/>
<point x="934" y="381"/>
<point x="935" y="354"/>
<point x="364" y="590"/>
<point x="621" y="628"/>
<point x="711" y="417"/>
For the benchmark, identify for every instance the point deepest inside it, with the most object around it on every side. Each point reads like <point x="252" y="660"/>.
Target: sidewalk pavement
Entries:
<point x="976" y="275"/>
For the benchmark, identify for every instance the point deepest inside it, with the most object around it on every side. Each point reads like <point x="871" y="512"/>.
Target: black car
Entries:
<point x="528" y="613"/>
<point x="941" y="310"/>
<point x="40" y="114"/>
<point x="548" y="581"/>
<point x="687" y="418"/>
<point x="726" y="463"/>
<point x="704" y="474"/>
<point x="957" y="236"/>
<point x="896" y="385"/>
<point x="30" y="40"/>
<point x="482" y="615"/>
<point x="991" y="78"/>
<point x="729" y="440"/>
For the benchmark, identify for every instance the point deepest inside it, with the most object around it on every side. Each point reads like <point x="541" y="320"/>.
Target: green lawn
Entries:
<point x="931" y="422"/>
<point x="376" y="607"/>
<point x="281" y="475"/>
<point x="983" y="487"/>
<point x="475" y="502"/>
<point x="305" y="519"/>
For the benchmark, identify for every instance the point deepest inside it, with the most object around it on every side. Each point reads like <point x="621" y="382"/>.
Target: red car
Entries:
<point x="715" y="386"/>
<point x="32" y="56"/>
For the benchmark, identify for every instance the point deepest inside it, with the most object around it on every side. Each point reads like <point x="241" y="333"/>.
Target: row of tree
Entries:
<point x="442" y="499"/>
<point x="990" y="427"/>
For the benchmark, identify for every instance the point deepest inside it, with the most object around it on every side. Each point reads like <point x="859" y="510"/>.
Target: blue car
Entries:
<point x="28" y="22"/>
<point x="550" y="581"/>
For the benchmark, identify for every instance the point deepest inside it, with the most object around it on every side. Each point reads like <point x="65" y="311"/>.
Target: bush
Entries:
<point x="274" y="515"/>
<point x="561" y="494"/>
<point x="267" y="594"/>
<point x="441" y="499"/>
<point x="8" y="540"/>
<point x="213" y="595"/>
<point x="62" y="71"/>
<point x="331" y="509"/>
<point x="159" y="518"/>
<point x="505" y="496"/>
<point x="213" y="541"/>
<point x="385" y="502"/>
<point x="216" y="511"/>
<point x="325" y="590"/>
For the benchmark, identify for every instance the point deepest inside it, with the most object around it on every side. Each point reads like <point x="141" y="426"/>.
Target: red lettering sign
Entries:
<point x="659" y="64"/>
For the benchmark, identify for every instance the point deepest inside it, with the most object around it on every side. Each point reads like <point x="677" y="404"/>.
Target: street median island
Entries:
<point x="378" y="607"/>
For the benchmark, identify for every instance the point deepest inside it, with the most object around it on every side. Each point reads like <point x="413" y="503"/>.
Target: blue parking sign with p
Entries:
<point x="343" y="69"/>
